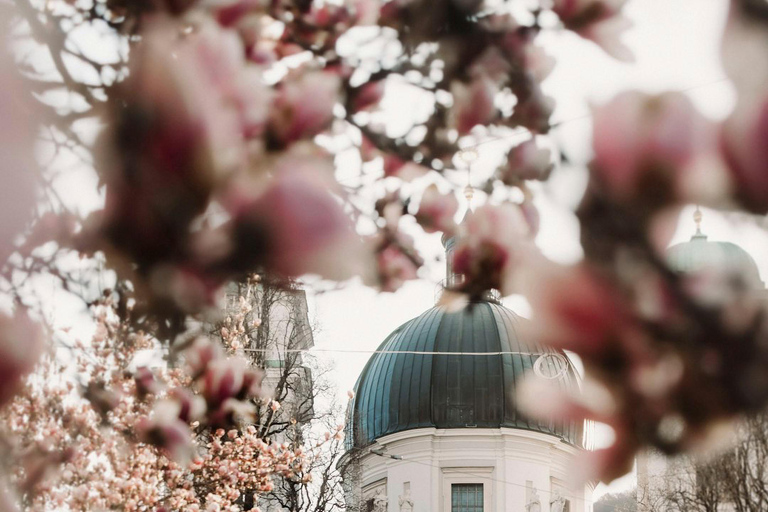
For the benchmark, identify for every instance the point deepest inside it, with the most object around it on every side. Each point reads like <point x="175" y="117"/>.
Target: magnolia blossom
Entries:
<point x="369" y="95"/>
<point x="396" y="260"/>
<point x="490" y="244"/>
<point x="304" y="106"/>
<point x="600" y="21"/>
<point x="295" y="224"/>
<point x="21" y="345"/>
<point x="527" y="161"/>
<point x="587" y="321"/>
<point x="647" y="147"/>
<point x="437" y="211"/>
<point x="168" y="432"/>
<point x="745" y="147"/>
<point x="17" y="138"/>
<point x="473" y="103"/>
<point x="190" y="103"/>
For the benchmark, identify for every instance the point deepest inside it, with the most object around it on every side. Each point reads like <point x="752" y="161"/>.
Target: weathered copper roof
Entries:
<point x="404" y="391"/>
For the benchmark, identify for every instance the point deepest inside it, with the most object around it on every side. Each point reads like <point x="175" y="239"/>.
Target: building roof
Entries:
<point x="699" y="254"/>
<point x="403" y="391"/>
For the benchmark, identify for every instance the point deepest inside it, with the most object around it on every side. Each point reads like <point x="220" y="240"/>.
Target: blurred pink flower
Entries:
<point x="574" y="308"/>
<point x="189" y="104"/>
<point x="645" y="146"/>
<point x="489" y="247"/>
<point x="21" y="345"/>
<point x="303" y="106"/>
<point x="437" y="211"/>
<point x="365" y="12"/>
<point x="296" y="225"/>
<point x="230" y="378"/>
<point x="745" y="148"/>
<point x="394" y="268"/>
<point x="473" y="103"/>
<point x="200" y="354"/>
<point x="600" y="21"/>
<point x="527" y="161"/>
<point x="18" y="131"/>
<point x="146" y="383"/>
<point x="368" y="95"/>
<point x="166" y="431"/>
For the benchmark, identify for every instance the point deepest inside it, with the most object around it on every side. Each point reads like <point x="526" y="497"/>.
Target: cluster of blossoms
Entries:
<point x="135" y="438"/>
<point x="218" y="160"/>
<point x="211" y="162"/>
<point x="235" y="464"/>
<point x="671" y="358"/>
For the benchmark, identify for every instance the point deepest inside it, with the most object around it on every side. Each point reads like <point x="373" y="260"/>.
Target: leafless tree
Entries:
<point x="278" y="332"/>
<point x="617" y="502"/>
<point x="736" y="480"/>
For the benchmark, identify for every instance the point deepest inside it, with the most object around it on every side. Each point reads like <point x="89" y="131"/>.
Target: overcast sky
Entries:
<point x="676" y="48"/>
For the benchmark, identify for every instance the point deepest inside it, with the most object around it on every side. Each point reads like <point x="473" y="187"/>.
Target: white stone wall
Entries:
<point x="509" y="462"/>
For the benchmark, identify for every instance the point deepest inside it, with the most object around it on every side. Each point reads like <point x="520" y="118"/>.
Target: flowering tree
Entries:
<point x="126" y="443"/>
<point x="218" y="128"/>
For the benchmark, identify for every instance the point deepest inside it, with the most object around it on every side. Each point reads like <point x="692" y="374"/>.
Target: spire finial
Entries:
<point x="469" y="193"/>
<point x="469" y="155"/>
<point x="697" y="216"/>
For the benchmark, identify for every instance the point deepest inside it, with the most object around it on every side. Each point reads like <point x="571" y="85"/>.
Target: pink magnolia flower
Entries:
<point x="200" y="354"/>
<point x="396" y="260"/>
<point x="17" y="139"/>
<point x="304" y="106"/>
<point x="229" y="378"/>
<point x="366" y="12"/>
<point x="647" y="145"/>
<point x="519" y="46"/>
<point x="21" y="344"/>
<point x="527" y="161"/>
<point x="744" y="142"/>
<point x="191" y="407"/>
<point x="490" y="245"/>
<point x="437" y="211"/>
<point x="473" y="103"/>
<point x="395" y="268"/>
<point x="368" y="95"/>
<point x="600" y="21"/>
<point x="146" y="383"/>
<point x="296" y="225"/>
<point x="166" y="431"/>
<point x="587" y="321"/>
<point x="189" y="104"/>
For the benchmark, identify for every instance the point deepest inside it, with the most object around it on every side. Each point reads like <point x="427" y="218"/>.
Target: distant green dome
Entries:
<point x="700" y="254"/>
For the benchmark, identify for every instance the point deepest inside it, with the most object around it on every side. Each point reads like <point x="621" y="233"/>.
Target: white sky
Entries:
<point x="676" y="47"/>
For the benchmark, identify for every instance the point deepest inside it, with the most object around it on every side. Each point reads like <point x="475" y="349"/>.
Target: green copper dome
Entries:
<point x="700" y="254"/>
<point x="412" y="383"/>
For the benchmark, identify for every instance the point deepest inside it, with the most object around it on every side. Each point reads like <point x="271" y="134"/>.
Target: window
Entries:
<point x="467" y="498"/>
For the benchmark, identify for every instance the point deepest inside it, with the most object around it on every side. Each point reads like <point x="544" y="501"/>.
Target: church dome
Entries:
<point x="700" y="254"/>
<point x="451" y="370"/>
